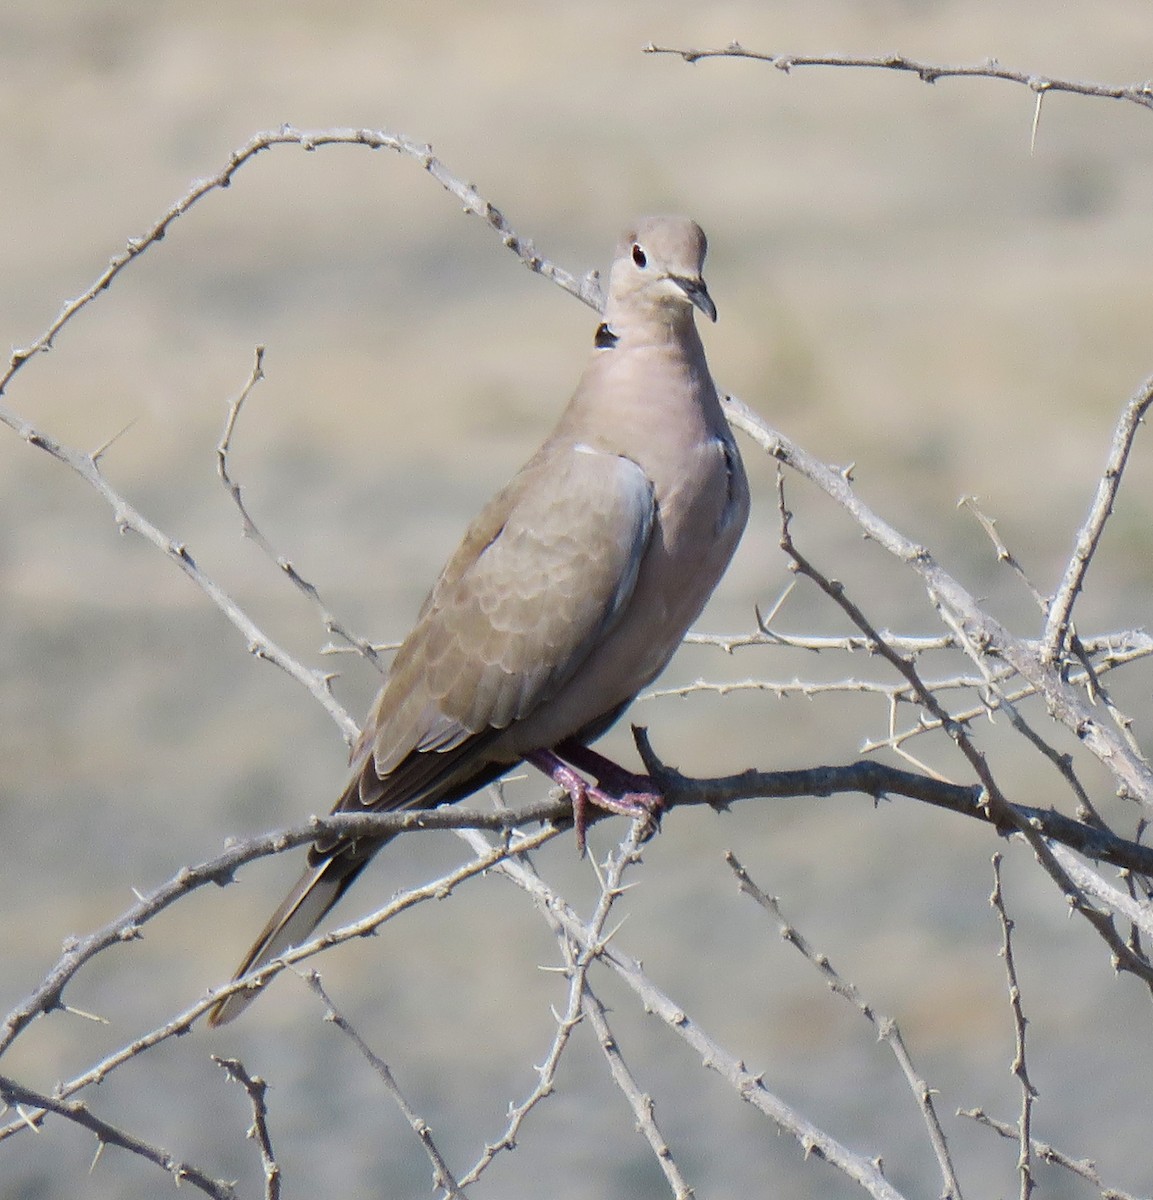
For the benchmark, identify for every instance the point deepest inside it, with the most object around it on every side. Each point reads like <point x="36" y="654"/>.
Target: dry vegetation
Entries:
<point x="902" y="287"/>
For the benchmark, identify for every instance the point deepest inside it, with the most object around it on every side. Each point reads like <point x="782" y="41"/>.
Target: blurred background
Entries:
<point x="901" y="286"/>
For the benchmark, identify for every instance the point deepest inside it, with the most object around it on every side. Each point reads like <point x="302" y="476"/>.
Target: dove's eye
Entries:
<point x="639" y="256"/>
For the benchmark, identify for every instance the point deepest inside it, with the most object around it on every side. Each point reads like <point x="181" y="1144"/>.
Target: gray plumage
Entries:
<point x="573" y="587"/>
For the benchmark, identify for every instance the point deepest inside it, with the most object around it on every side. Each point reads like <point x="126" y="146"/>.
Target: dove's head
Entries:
<point x="657" y="272"/>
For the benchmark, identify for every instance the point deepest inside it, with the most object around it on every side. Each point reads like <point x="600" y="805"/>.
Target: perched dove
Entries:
<point x="569" y="593"/>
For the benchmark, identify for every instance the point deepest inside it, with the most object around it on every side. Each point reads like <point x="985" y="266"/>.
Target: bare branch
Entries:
<point x="1004" y="554"/>
<point x="1057" y="627"/>
<point x="1004" y="814"/>
<point x="586" y="289"/>
<point x="256" y="1089"/>
<point x="1019" y="1067"/>
<point x="748" y="1085"/>
<point x="640" y="1102"/>
<point x="1081" y="1167"/>
<point x="79" y="1114"/>
<point x="997" y="698"/>
<point x="1136" y="93"/>
<point x="887" y="1029"/>
<point x="436" y="889"/>
<point x="260" y="645"/>
<point x="865" y="776"/>
<point x="1130" y="769"/>
<point x="442" y="1176"/>
<point x="850" y="643"/>
<point x="577" y="962"/>
<point x="1127" y="905"/>
<point x="999" y="674"/>
<point x="219" y="871"/>
<point x="332" y="624"/>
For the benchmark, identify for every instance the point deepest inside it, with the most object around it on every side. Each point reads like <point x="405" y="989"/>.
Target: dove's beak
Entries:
<point x="699" y="294"/>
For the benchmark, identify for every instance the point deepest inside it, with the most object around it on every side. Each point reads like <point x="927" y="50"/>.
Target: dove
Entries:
<point x="570" y="591"/>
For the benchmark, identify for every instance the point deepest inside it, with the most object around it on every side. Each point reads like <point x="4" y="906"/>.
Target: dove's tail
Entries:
<point x="314" y="895"/>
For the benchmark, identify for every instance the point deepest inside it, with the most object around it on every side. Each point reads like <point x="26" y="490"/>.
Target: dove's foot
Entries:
<point x="622" y="792"/>
<point x="610" y="775"/>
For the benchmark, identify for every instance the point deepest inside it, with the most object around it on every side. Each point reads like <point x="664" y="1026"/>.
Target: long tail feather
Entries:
<point x="422" y="781"/>
<point x="315" y="893"/>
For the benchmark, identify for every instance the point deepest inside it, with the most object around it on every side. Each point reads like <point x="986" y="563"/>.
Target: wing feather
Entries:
<point x="540" y="578"/>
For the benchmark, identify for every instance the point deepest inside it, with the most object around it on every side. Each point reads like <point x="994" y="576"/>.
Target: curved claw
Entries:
<point x="645" y="802"/>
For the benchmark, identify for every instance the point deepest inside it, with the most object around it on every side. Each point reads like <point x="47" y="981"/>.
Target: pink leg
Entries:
<point x="612" y="775"/>
<point x="645" y="802"/>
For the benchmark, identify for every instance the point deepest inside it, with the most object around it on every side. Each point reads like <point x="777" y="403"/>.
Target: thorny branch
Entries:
<point x="1080" y="1167"/>
<point x="1002" y="813"/>
<point x="749" y="1085"/>
<point x="23" y="1098"/>
<point x="1136" y="93"/>
<point x="968" y="627"/>
<point x="867" y="777"/>
<point x="577" y="962"/>
<point x="442" y="1176"/>
<point x="1020" y="1067"/>
<point x="127" y="517"/>
<point x="586" y="289"/>
<point x="983" y="633"/>
<point x="256" y="1089"/>
<point x="437" y="889"/>
<point x="887" y="1029"/>
<point x="640" y="1102"/>
<point x="1057" y="627"/>
<point x="252" y="531"/>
